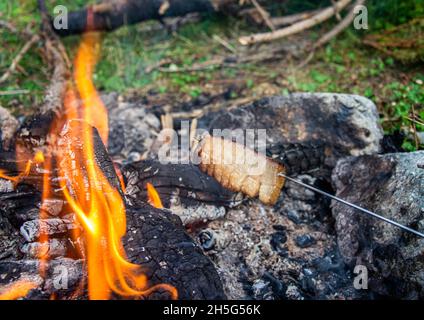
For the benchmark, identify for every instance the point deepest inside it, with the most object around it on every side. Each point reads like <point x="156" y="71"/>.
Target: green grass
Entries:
<point x="345" y="65"/>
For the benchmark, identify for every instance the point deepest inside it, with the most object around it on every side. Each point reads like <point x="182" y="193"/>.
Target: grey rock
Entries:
<point x="393" y="186"/>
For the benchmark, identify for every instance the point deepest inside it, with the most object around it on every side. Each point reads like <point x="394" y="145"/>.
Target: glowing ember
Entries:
<point x="153" y="196"/>
<point x="18" y="289"/>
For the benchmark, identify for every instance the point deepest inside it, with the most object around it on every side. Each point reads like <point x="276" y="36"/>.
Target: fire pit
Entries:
<point x="101" y="199"/>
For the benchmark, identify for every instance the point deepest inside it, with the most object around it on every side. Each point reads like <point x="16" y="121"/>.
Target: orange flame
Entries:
<point x="153" y="196"/>
<point x="97" y="204"/>
<point x="18" y="289"/>
<point x="95" y="112"/>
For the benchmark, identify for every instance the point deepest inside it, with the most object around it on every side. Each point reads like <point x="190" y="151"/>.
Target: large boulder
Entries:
<point x="393" y="186"/>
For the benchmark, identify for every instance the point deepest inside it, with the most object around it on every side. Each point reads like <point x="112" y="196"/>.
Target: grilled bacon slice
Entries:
<point x="241" y="169"/>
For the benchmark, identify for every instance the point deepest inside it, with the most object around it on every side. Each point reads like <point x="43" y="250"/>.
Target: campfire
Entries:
<point x="288" y="197"/>
<point x="97" y="200"/>
<point x="85" y="202"/>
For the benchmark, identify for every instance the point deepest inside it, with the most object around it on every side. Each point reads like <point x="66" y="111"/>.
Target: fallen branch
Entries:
<point x="324" y="15"/>
<point x="290" y="19"/>
<point x="18" y="58"/>
<point x="108" y="16"/>
<point x="264" y="14"/>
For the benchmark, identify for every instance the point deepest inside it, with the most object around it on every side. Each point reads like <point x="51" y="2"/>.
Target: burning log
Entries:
<point x="185" y="180"/>
<point x="52" y="249"/>
<point x="32" y="230"/>
<point x="37" y="136"/>
<point x="191" y="194"/>
<point x="156" y="240"/>
<point x="72" y="145"/>
<point x="111" y="15"/>
<point x="62" y="281"/>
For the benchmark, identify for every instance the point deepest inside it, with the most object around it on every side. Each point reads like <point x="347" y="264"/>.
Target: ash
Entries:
<point x="288" y="251"/>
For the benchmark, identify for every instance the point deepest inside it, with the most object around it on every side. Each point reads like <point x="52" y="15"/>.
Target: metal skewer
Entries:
<point x="373" y="214"/>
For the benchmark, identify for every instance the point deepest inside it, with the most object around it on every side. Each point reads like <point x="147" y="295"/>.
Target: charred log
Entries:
<point x="20" y="205"/>
<point x="55" y="282"/>
<point x="51" y="249"/>
<point x="186" y="181"/>
<point x="36" y="137"/>
<point x="156" y="240"/>
<point x="34" y="132"/>
<point x="111" y="15"/>
<point x="298" y="158"/>
<point x="33" y="229"/>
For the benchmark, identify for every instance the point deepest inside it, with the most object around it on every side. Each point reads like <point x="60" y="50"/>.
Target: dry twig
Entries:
<point x="293" y="18"/>
<point x="264" y="14"/>
<point x="323" y="15"/>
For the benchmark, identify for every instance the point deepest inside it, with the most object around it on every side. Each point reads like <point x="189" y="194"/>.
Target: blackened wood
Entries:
<point x="186" y="180"/>
<point x="34" y="131"/>
<point x="156" y="239"/>
<point x="111" y="15"/>
<point x="33" y="229"/>
<point x="63" y="278"/>
<point x="52" y="248"/>
<point x="8" y="163"/>
<point x="298" y="158"/>
<point x="9" y="239"/>
<point x="20" y="205"/>
<point x="34" y="134"/>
